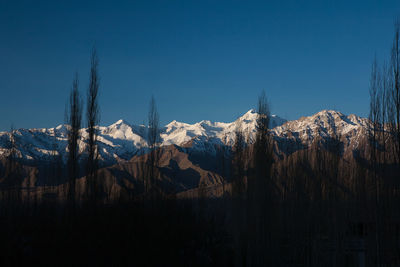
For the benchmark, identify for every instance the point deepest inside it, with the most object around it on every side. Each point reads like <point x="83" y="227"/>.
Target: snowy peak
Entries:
<point x="120" y="130"/>
<point x="119" y="123"/>
<point x="249" y="115"/>
<point x="325" y="124"/>
<point x="218" y="132"/>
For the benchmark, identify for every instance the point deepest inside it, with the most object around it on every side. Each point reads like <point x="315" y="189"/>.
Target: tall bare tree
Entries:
<point x="11" y="163"/>
<point x="153" y="142"/>
<point x="238" y="182"/>
<point x="13" y="181"/>
<point x="384" y="142"/>
<point x="373" y="132"/>
<point x="74" y="119"/>
<point x="238" y="164"/>
<point x="93" y="117"/>
<point x="395" y="90"/>
<point x="261" y="191"/>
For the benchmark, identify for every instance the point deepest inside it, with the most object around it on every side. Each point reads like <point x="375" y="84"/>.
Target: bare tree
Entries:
<point x="384" y="143"/>
<point x="238" y="164"/>
<point x="92" y="116"/>
<point x="57" y="166"/>
<point x="74" y="119"/>
<point x="13" y="181"/>
<point x="373" y="132"/>
<point x="221" y="161"/>
<point x="153" y="142"/>
<point x="261" y="191"/>
<point x="260" y="185"/>
<point x="395" y="90"/>
<point x="239" y="196"/>
<point x="12" y="152"/>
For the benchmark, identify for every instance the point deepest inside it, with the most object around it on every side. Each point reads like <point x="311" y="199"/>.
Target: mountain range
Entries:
<point x="192" y="156"/>
<point x="121" y="140"/>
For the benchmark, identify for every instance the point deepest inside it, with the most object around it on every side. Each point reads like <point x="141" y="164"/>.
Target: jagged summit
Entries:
<point x="248" y="116"/>
<point x="250" y="113"/>
<point x="119" y="123"/>
<point x="329" y="111"/>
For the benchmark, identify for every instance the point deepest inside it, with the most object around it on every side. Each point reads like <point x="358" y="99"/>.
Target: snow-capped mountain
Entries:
<point x="179" y="133"/>
<point x="351" y="130"/>
<point x="121" y="140"/>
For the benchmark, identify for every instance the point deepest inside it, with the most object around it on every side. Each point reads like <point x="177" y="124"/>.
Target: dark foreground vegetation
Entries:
<point x="317" y="206"/>
<point x="167" y="233"/>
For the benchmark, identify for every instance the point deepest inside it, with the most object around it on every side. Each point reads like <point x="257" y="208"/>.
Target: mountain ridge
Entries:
<point x="122" y="140"/>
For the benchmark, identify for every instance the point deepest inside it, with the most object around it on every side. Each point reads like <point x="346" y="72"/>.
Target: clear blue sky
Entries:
<point x="200" y="59"/>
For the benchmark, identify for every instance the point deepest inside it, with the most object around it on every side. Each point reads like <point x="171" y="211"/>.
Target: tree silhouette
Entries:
<point x="74" y="119"/>
<point x="92" y="116"/>
<point x="238" y="164"/>
<point x="261" y="190"/>
<point x="153" y="143"/>
<point x="395" y="90"/>
<point x="238" y="180"/>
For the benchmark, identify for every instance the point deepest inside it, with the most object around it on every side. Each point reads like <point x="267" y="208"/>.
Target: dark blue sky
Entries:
<point x="200" y="59"/>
